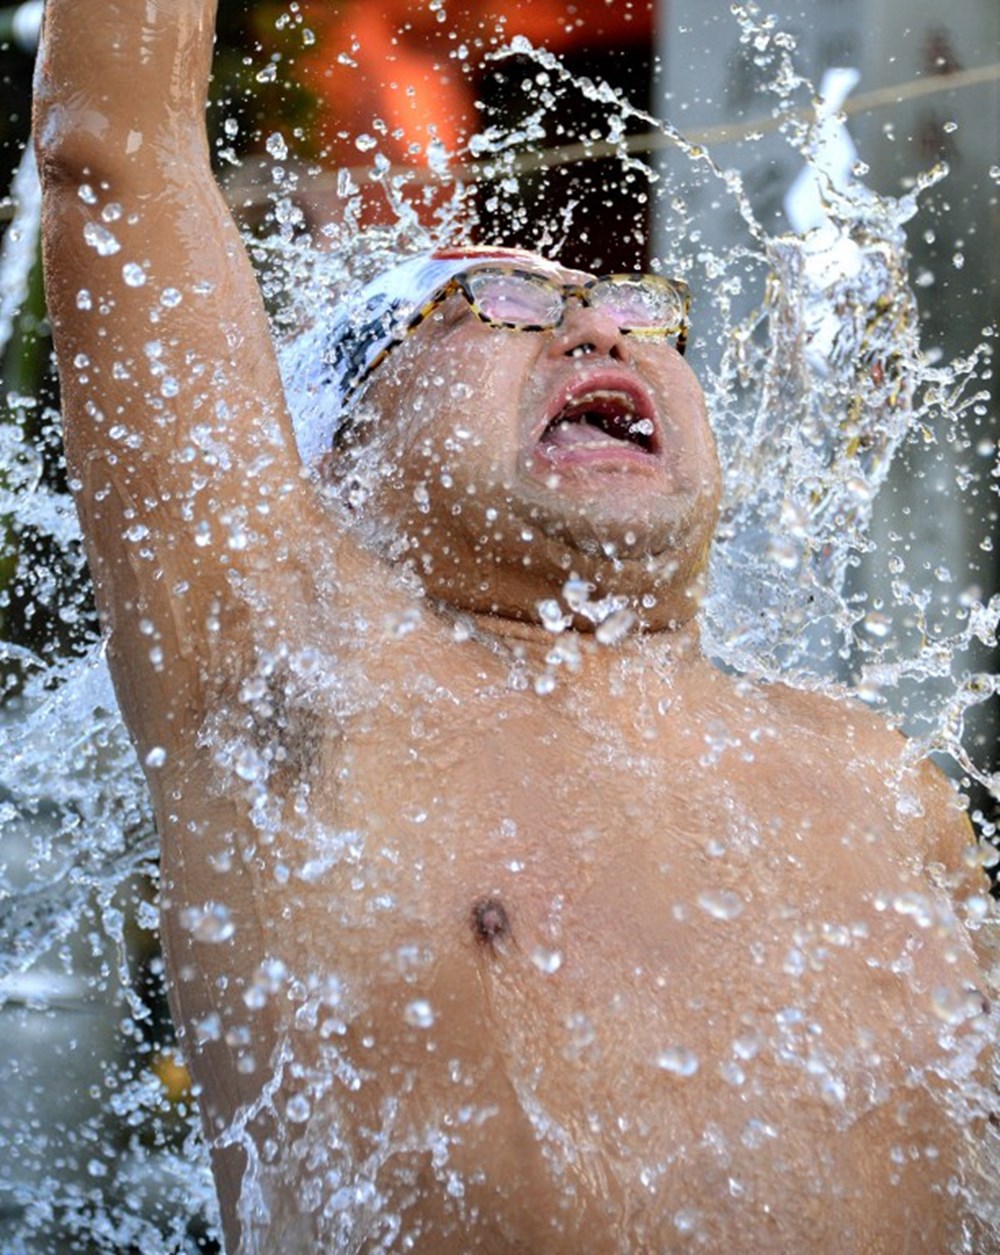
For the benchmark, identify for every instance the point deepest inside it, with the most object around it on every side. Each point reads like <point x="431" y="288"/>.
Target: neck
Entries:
<point x="680" y="645"/>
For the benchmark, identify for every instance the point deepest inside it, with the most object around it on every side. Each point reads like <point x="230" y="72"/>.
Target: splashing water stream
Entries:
<point x="807" y="440"/>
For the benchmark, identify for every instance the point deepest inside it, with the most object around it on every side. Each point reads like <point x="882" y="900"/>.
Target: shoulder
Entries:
<point x="930" y="811"/>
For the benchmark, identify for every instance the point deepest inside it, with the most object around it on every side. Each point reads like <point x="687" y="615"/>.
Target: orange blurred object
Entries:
<point x="391" y="69"/>
<point x="172" y="1075"/>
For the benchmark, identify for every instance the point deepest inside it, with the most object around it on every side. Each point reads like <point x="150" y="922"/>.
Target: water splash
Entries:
<point x="809" y="422"/>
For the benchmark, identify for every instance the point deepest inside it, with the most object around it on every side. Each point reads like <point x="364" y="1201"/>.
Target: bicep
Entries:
<point x="958" y="859"/>
<point x="164" y="349"/>
<point x="190" y="489"/>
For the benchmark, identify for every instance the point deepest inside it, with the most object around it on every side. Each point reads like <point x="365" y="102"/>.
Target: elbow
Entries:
<point x="77" y="141"/>
<point x="73" y="142"/>
<point x="74" y="127"/>
<point x="93" y="123"/>
<point x="83" y="135"/>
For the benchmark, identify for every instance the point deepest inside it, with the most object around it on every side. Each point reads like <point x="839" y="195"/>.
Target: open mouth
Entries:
<point x="602" y="419"/>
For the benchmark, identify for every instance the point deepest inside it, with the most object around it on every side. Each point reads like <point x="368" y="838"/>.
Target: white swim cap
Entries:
<point x="330" y="358"/>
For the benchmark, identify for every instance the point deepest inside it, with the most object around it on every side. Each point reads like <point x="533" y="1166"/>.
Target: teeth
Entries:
<point x="603" y="418"/>
<point x="588" y="398"/>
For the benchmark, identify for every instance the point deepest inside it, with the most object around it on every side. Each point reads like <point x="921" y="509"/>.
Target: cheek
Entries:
<point x="689" y="436"/>
<point x="463" y="415"/>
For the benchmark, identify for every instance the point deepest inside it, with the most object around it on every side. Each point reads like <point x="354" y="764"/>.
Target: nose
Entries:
<point x="589" y="332"/>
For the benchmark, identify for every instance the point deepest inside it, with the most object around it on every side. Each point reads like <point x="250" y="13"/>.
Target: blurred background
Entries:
<point x="319" y="87"/>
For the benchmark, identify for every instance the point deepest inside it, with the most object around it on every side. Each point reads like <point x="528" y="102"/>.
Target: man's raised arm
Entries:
<point x="178" y="442"/>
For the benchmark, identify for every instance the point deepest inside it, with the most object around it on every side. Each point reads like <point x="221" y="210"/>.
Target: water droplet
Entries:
<point x="581" y="1033"/>
<point x="552" y="617"/>
<point x="365" y="143"/>
<point x="133" y="274"/>
<point x="678" y="1061"/>
<point x="147" y="916"/>
<point x="100" y="239"/>
<point x="832" y="1089"/>
<point x="209" y="1028"/>
<point x="877" y="625"/>
<point x="721" y="903"/>
<point x="756" y="1132"/>
<point x="544" y="683"/>
<point x="210" y="922"/>
<point x="419" y="1013"/>
<point x="576" y="594"/>
<point x="916" y="906"/>
<point x="276" y="146"/>
<point x="249" y="765"/>
<point x="954" y="1006"/>
<point x="156" y="757"/>
<point x="255" y="998"/>
<point x="615" y="627"/>
<point x="547" y="961"/>
<point x="686" y="1220"/>
<point x="747" y="1046"/>
<point x="437" y="157"/>
<point x="422" y="497"/>
<point x="297" y="1109"/>
<point x="977" y="909"/>
<point x="794" y="963"/>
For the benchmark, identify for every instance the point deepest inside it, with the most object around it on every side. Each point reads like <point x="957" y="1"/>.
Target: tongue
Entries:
<point x="575" y="433"/>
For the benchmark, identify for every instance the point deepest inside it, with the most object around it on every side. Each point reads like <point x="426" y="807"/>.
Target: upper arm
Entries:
<point x="950" y="840"/>
<point x="196" y="513"/>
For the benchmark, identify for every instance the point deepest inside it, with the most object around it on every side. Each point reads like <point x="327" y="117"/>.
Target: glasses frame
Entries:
<point x="458" y="285"/>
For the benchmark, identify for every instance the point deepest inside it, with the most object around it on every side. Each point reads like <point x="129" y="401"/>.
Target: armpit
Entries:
<point x="266" y="725"/>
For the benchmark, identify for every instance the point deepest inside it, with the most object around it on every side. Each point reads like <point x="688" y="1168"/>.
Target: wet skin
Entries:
<point x="675" y="867"/>
<point x="612" y="953"/>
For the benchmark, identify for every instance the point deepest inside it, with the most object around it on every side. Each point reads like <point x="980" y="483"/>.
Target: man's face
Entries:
<point x="503" y="462"/>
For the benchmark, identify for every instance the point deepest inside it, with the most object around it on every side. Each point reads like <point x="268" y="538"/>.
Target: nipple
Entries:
<point x="490" y="922"/>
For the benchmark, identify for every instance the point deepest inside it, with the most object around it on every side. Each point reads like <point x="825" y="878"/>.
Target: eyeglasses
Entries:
<point x="523" y="300"/>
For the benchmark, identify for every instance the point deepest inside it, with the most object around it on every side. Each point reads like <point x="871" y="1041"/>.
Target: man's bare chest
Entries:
<point x="678" y="951"/>
<point x="683" y="958"/>
<point x="676" y="858"/>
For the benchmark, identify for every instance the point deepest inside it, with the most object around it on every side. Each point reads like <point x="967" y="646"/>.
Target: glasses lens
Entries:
<point x="640" y="302"/>
<point x="514" y="297"/>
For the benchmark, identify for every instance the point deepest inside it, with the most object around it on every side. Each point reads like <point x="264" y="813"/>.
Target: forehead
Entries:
<point x="520" y="258"/>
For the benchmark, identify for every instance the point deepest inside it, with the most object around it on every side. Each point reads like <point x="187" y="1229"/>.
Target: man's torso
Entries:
<point x="645" y="960"/>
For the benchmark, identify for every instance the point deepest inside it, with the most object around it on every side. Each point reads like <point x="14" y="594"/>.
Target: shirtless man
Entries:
<point x="493" y="921"/>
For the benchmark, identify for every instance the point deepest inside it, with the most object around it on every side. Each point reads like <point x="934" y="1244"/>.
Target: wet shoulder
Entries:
<point x="833" y="714"/>
<point x="927" y="805"/>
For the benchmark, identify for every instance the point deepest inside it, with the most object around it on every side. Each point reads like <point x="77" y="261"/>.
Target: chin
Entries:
<point x="621" y="524"/>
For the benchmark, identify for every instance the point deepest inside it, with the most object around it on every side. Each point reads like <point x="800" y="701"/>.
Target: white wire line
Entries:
<point x="654" y="141"/>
